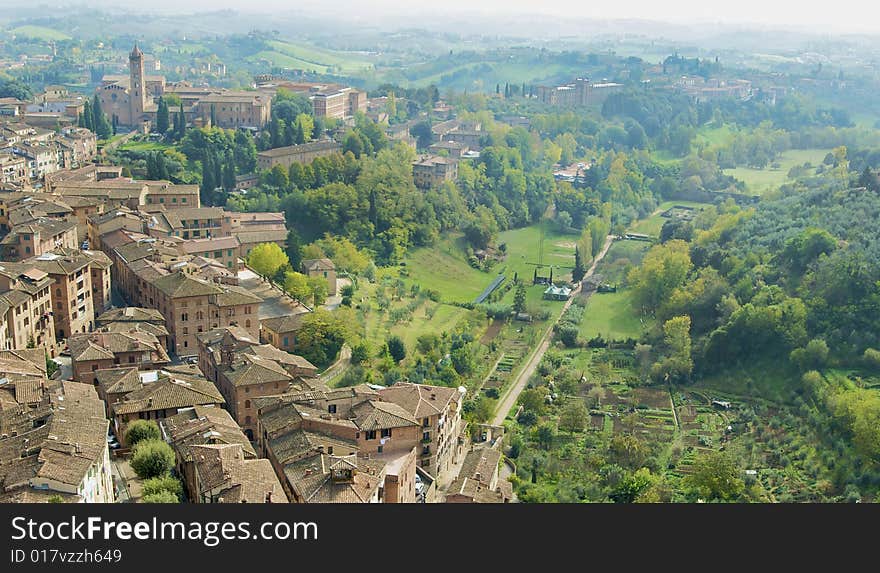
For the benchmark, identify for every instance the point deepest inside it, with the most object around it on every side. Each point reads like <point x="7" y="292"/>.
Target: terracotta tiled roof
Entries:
<point x="168" y="392"/>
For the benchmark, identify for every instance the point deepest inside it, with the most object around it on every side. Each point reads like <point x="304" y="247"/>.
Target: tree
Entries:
<point x="716" y="476"/>
<point x="162" y="116"/>
<point x="361" y="352"/>
<point x="163" y="496"/>
<point x="228" y="173"/>
<point x="15" y="89"/>
<point x="181" y="123"/>
<point x="396" y="348"/>
<point x="323" y="333"/>
<point x="872" y="358"/>
<point x="677" y="337"/>
<point x="99" y="120"/>
<point x="664" y="268"/>
<point x="545" y="434"/>
<point x="813" y="356"/>
<point x="140" y="430"/>
<point x="267" y="258"/>
<point x="165" y="483"/>
<point x="319" y="287"/>
<point x="574" y="416"/>
<point x="577" y="274"/>
<point x="152" y="458"/>
<point x="519" y="298"/>
<point x="297" y="285"/>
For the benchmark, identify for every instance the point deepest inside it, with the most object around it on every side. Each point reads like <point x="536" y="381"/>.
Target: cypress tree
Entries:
<point x="162" y="117"/>
<point x="213" y="116"/>
<point x="181" y="123"/>
<point x="102" y="126"/>
<point x="300" y="134"/>
<point x="228" y="172"/>
<point x="289" y="133"/>
<point x="577" y="274"/>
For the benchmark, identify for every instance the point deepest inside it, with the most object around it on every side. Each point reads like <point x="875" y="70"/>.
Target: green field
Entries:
<point x="443" y="268"/>
<point x="611" y="315"/>
<point x="40" y="33"/>
<point x="523" y="251"/>
<point x="300" y="56"/>
<point x="760" y="181"/>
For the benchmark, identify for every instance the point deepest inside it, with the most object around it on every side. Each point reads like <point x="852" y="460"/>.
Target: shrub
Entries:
<point x="152" y="458"/>
<point x="140" y="430"/>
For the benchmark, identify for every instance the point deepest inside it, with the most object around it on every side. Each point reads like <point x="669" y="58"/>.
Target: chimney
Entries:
<point x="268" y="497"/>
<point x="433" y="395"/>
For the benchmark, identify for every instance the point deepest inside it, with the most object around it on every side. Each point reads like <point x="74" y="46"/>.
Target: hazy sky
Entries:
<point x="825" y="16"/>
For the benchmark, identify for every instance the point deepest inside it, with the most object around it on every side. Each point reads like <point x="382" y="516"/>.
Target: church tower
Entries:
<point x="137" y="85"/>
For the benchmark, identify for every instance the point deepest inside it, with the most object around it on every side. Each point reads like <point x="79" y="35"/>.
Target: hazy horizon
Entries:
<point x="848" y="16"/>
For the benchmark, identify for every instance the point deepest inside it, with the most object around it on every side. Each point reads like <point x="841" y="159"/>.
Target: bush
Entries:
<point x="163" y="496"/>
<point x="164" y="483"/>
<point x="140" y="430"/>
<point x="152" y="458"/>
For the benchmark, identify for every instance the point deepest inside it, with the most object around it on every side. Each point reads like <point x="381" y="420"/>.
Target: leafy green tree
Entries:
<point x="297" y="285"/>
<point x="323" y="333"/>
<point x="574" y="416"/>
<point x="152" y="458"/>
<point x="664" y="268"/>
<point x="396" y="348"/>
<point x="545" y="435"/>
<point x="141" y="430"/>
<point x="813" y="356"/>
<point x="716" y="476"/>
<point x="267" y="258"/>
<point x="361" y="352"/>
<point x="319" y="288"/>
<point x="872" y="358"/>
<point x="163" y="496"/>
<point x="165" y="483"/>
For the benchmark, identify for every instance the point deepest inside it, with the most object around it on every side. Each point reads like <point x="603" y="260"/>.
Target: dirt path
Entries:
<point x="509" y="399"/>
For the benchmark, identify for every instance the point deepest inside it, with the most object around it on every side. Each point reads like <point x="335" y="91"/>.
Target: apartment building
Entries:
<point x="26" y="303"/>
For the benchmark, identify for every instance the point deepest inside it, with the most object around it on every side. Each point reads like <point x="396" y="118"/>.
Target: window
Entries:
<point x="161" y="199"/>
<point x="185" y="330"/>
<point x="331" y="408"/>
<point x="247" y="403"/>
<point x="174" y="199"/>
<point x="330" y="450"/>
<point x="229" y="252"/>
<point x="57" y="292"/>
<point x="426" y="436"/>
<point x="286" y="341"/>
<point x="379" y="449"/>
<point x="131" y="359"/>
<point x="218" y="254"/>
<point x="371" y="434"/>
<point x="183" y="200"/>
<point x="386" y="432"/>
<point x="184" y="316"/>
<point x="247" y="323"/>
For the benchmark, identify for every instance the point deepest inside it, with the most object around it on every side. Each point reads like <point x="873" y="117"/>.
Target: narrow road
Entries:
<point x="337" y="368"/>
<point x="519" y="384"/>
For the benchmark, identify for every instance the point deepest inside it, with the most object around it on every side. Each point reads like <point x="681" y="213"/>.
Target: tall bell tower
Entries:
<point x="137" y="91"/>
